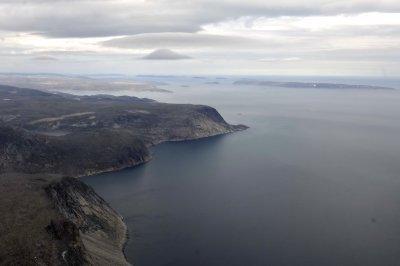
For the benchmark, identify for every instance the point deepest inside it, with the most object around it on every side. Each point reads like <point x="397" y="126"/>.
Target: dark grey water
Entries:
<point x="314" y="181"/>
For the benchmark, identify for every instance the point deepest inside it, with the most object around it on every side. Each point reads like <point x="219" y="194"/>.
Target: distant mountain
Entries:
<point x="165" y="54"/>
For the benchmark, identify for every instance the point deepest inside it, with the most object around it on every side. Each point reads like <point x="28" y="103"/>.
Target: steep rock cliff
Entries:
<point x="101" y="229"/>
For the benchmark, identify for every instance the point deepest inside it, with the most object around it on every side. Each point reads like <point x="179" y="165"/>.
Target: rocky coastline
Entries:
<point x="103" y="134"/>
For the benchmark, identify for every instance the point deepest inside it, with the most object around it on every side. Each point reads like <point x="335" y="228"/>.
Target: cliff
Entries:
<point x="32" y="232"/>
<point x="49" y="220"/>
<point x="101" y="229"/>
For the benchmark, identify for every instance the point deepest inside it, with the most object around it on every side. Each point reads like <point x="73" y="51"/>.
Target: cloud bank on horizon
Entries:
<point x="293" y="37"/>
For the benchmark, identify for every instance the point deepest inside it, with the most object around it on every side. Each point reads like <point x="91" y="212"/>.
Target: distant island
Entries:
<point x="74" y="83"/>
<point x="305" y="85"/>
<point x="47" y="139"/>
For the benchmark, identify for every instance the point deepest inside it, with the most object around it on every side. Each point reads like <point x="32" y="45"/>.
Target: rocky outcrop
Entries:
<point x="32" y="232"/>
<point x="200" y="122"/>
<point x="74" y="155"/>
<point x="101" y="230"/>
<point x="49" y="220"/>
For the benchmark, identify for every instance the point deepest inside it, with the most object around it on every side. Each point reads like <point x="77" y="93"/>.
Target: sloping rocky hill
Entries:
<point x="62" y="114"/>
<point x="73" y="155"/>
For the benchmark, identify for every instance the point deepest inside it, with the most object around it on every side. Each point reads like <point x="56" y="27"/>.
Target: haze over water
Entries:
<point x="314" y="181"/>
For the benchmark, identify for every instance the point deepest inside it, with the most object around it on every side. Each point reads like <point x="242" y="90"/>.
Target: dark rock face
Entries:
<point x="98" y="224"/>
<point x="67" y="236"/>
<point x="67" y="196"/>
<point x="32" y="232"/>
<point x="48" y="220"/>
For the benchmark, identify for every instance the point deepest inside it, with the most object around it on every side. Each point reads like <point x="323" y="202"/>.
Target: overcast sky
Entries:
<point x="285" y="37"/>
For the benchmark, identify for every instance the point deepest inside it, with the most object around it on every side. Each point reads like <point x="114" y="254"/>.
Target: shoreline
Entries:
<point x="125" y="239"/>
<point x="108" y="134"/>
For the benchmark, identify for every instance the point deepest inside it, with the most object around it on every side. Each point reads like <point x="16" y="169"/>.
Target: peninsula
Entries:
<point x="49" y="217"/>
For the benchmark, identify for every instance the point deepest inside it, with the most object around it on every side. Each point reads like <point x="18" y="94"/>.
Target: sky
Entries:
<point x="184" y="37"/>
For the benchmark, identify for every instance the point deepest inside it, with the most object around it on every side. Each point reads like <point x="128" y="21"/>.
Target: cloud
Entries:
<point x="255" y="33"/>
<point x="184" y="40"/>
<point x="275" y="59"/>
<point x="165" y="54"/>
<point x="83" y="18"/>
<point x="44" y="58"/>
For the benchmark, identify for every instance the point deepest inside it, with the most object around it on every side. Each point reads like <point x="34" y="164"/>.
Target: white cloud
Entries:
<point x="245" y="35"/>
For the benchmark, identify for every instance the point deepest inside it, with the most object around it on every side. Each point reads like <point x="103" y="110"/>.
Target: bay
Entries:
<point x="314" y="181"/>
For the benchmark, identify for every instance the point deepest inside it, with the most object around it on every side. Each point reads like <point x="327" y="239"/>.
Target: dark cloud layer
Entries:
<point x="185" y="40"/>
<point x="44" y="58"/>
<point x="84" y="18"/>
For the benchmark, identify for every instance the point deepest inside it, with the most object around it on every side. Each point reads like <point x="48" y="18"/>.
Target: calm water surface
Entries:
<point x="314" y="181"/>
